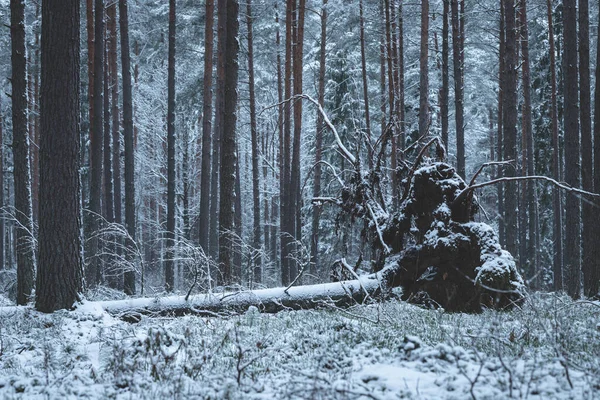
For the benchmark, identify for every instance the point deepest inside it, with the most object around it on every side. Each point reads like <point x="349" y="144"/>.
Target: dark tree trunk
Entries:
<point x="316" y="217"/>
<point x="424" y="73"/>
<point x="90" y="27"/>
<point x="363" y="59"/>
<point x="228" y="145"/>
<point x="557" y="232"/>
<point x="95" y="202"/>
<point x="400" y="102"/>
<point x="285" y="230"/>
<point x="170" y="243"/>
<point x="185" y="182"/>
<point x="499" y="138"/>
<point x="529" y="262"/>
<point x="295" y="195"/>
<point x="128" y="139"/>
<point x="572" y="267"/>
<point x="593" y="283"/>
<point x="256" y="234"/>
<point x="218" y="130"/>
<point x="457" y="51"/>
<point x="207" y="95"/>
<point x="277" y="208"/>
<point x="445" y="79"/>
<point x="34" y="133"/>
<point x="2" y="224"/>
<point x="509" y="124"/>
<point x="382" y="69"/>
<point x="60" y="273"/>
<point x="589" y="212"/>
<point x="108" y="197"/>
<point x="24" y="242"/>
<point x="238" y="221"/>
<point x="114" y="99"/>
<point x="392" y="118"/>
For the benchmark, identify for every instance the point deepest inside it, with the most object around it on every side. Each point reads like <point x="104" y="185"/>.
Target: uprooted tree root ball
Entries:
<point x="430" y="245"/>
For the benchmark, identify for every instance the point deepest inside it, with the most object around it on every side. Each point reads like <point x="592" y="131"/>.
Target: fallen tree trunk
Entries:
<point x="341" y="294"/>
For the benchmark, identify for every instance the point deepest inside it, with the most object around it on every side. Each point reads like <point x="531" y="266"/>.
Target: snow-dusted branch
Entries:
<point x="343" y="149"/>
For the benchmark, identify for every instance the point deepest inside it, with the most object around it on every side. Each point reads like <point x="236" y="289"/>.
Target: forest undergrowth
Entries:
<point x="548" y="348"/>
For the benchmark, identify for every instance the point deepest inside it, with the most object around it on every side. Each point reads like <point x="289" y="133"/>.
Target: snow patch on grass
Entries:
<point x="379" y="351"/>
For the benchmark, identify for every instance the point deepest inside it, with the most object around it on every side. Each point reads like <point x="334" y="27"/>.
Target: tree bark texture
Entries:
<point x="256" y="234"/>
<point x="363" y="59"/>
<point x="424" y="72"/>
<point x="95" y="202"/>
<point x="499" y="137"/>
<point x="572" y="266"/>
<point x="444" y="92"/>
<point x="207" y="98"/>
<point x="128" y="138"/>
<point x="113" y="76"/>
<point x="170" y="234"/>
<point x="218" y="129"/>
<point x="295" y="195"/>
<point x="529" y="224"/>
<point x="593" y="279"/>
<point x="457" y="50"/>
<point x="557" y="231"/>
<point x="286" y="231"/>
<point x="228" y="145"/>
<point x="589" y="212"/>
<point x="60" y="272"/>
<point x="2" y="223"/>
<point x="24" y="241"/>
<point x="316" y="217"/>
<point x="509" y="123"/>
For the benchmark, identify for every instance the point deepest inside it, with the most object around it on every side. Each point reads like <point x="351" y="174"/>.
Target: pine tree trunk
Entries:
<point x="2" y="224"/>
<point x="557" y="235"/>
<point x="593" y="286"/>
<point x="277" y="208"/>
<point x="499" y="138"/>
<point x="256" y="234"/>
<point x="238" y="221"/>
<point x="392" y="118"/>
<point x="444" y="97"/>
<point x="115" y="114"/>
<point x="215" y="234"/>
<point x="316" y="217"/>
<point x="363" y="59"/>
<point x="382" y="69"/>
<point x="424" y="73"/>
<point x="572" y="266"/>
<point x="34" y="134"/>
<point x="457" y="51"/>
<point x="295" y="195"/>
<point x="170" y="243"/>
<point x="589" y="212"/>
<point x="108" y="197"/>
<point x="128" y="139"/>
<point x="509" y="124"/>
<point x="90" y="27"/>
<point x="400" y="103"/>
<point x="228" y="145"/>
<point x="185" y="182"/>
<point x="207" y="96"/>
<point x="60" y="272"/>
<point x="24" y="241"/>
<point x="96" y="135"/>
<point x="530" y="259"/>
<point x="286" y="231"/>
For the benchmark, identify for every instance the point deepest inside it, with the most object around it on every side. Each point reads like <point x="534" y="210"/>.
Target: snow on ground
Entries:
<point x="549" y="349"/>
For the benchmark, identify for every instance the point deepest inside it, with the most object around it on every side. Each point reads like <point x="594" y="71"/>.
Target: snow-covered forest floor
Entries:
<point x="550" y="348"/>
